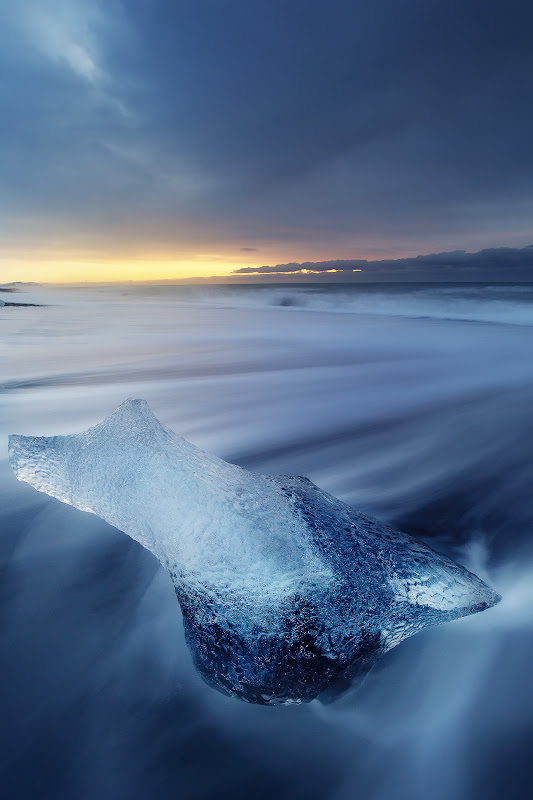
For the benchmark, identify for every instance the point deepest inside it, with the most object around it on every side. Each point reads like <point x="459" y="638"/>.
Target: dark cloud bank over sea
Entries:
<point x="497" y="263"/>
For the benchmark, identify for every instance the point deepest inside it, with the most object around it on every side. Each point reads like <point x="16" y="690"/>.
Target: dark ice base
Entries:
<point x="316" y="646"/>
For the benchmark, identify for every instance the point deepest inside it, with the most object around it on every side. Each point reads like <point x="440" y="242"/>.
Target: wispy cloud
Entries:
<point x="62" y="31"/>
<point x="68" y="33"/>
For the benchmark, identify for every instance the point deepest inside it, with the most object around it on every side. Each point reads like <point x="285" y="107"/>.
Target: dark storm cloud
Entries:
<point x="271" y="120"/>
<point x="511" y="262"/>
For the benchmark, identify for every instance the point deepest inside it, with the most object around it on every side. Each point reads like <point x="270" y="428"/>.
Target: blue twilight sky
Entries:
<point x="161" y="138"/>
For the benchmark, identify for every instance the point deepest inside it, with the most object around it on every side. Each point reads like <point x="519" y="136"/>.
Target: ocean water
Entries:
<point x="412" y="402"/>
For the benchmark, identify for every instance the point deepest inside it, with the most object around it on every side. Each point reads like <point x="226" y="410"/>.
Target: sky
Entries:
<point x="168" y="139"/>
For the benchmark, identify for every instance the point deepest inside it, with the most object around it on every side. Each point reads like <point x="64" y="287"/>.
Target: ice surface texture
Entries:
<point x="287" y="593"/>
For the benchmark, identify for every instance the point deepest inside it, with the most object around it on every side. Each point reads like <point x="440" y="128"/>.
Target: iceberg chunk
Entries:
<point x="287" y="593"/>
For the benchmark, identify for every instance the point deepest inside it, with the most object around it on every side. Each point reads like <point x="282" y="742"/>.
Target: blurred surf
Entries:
<point x="406" y="404"/>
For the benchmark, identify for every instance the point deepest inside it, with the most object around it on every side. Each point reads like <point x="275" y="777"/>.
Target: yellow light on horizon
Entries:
<point x="58" y="263"/>
<point x="101" y="271"/>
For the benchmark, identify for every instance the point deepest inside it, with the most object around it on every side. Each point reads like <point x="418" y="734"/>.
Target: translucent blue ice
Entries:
<point x="287" y="593"/>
